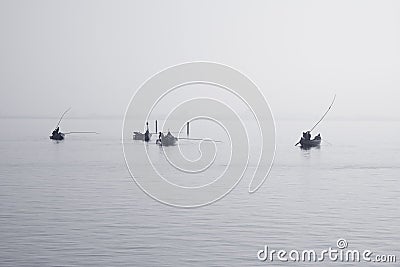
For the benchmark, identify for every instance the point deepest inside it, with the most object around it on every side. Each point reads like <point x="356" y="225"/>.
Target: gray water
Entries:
<point x="73" y="203"/>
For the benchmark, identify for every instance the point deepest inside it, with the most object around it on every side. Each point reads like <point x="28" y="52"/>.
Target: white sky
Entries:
<point x="93" y="55"/>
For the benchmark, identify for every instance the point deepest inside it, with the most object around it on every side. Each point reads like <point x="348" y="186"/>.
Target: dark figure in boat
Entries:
<point x="160" y="135"/>
<point x="307" y="135"/>
<point x="56" y="131"/>
<point x="147" y="134"/>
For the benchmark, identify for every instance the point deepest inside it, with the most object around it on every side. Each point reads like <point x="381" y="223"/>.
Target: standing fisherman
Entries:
<point x="147" y="133"/>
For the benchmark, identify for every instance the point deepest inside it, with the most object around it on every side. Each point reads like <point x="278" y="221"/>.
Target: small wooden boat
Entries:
<point x="142" y="136"/>
<point x="57" y="136"/>
<point x="310" y="143"/>
<point x="167" y="140"/>
<point x="306" y="141"/>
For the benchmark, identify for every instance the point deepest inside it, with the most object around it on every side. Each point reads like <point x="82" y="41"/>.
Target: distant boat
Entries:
<point x="310" y="143"/>
<point x="141" y="136"/>
<point x="305" y="140"/>
<point x="57" y="136"/>
<point x="167" y="140"/>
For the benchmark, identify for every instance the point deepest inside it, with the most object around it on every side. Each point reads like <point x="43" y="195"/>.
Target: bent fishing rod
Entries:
<point x="62" y="116"/>
<point x="323" y="116"/>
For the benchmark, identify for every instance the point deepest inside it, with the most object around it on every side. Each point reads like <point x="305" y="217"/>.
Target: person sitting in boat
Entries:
<point x="56" y="131"/>
<point x="317" y="137"/>
<point x="307" y="135"/>
<point x="160" y="135"/>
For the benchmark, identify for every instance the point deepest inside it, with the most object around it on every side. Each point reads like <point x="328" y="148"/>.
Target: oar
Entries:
<point x="321" y="139"/>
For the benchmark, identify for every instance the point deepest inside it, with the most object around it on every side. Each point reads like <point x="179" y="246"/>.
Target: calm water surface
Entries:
<point x="74" y="203"/>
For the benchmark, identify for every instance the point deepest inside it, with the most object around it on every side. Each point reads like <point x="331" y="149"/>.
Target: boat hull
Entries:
<point x="141" y="136"/>
<point x="167" y="141"/>
<point x="310" y="143"/>
<point x="57" y="137"/>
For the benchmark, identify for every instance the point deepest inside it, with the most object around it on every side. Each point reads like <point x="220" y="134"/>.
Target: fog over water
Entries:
<point x="93" y="55"/>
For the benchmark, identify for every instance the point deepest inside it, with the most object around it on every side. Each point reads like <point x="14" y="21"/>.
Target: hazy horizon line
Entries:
<point x="277" y="118"/>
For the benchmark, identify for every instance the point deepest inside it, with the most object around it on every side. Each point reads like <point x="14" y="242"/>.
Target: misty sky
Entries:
<point x="93" y="55"/>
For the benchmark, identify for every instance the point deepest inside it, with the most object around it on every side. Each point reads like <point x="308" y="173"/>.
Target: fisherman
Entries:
<point x="317" y="137"/>
<point x="308" y="135"/>
<point x="159" y="137"/>
<point x="147" y="133"/>
<point x="56" y="131"/>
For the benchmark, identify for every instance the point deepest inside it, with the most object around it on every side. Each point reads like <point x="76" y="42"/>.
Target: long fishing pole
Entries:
<point x="326" y="112"/>
<point x="65" y="112"/>
<point x="199" y="139"/>
<point x="82" y="133"/>
<point x="327" y="142"/>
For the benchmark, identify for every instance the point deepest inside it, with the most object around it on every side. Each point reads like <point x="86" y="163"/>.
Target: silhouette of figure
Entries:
<point x="56" y="131"/>
<point x="308" y="135"/>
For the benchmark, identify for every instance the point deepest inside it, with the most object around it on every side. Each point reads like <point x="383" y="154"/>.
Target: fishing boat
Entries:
<point x="57" y="136"/>
<point x="167" y="140"/>
<point x="310" y="143"/>
<point x="142" y="136"/>
<point x="305" y="140"/>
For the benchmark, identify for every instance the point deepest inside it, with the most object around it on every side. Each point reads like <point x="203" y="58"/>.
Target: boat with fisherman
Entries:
<point x="59" y="136"/>
<point x="143" y="136"/>
<point x="166" y="140"/>
<point x="306" y="141"/>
